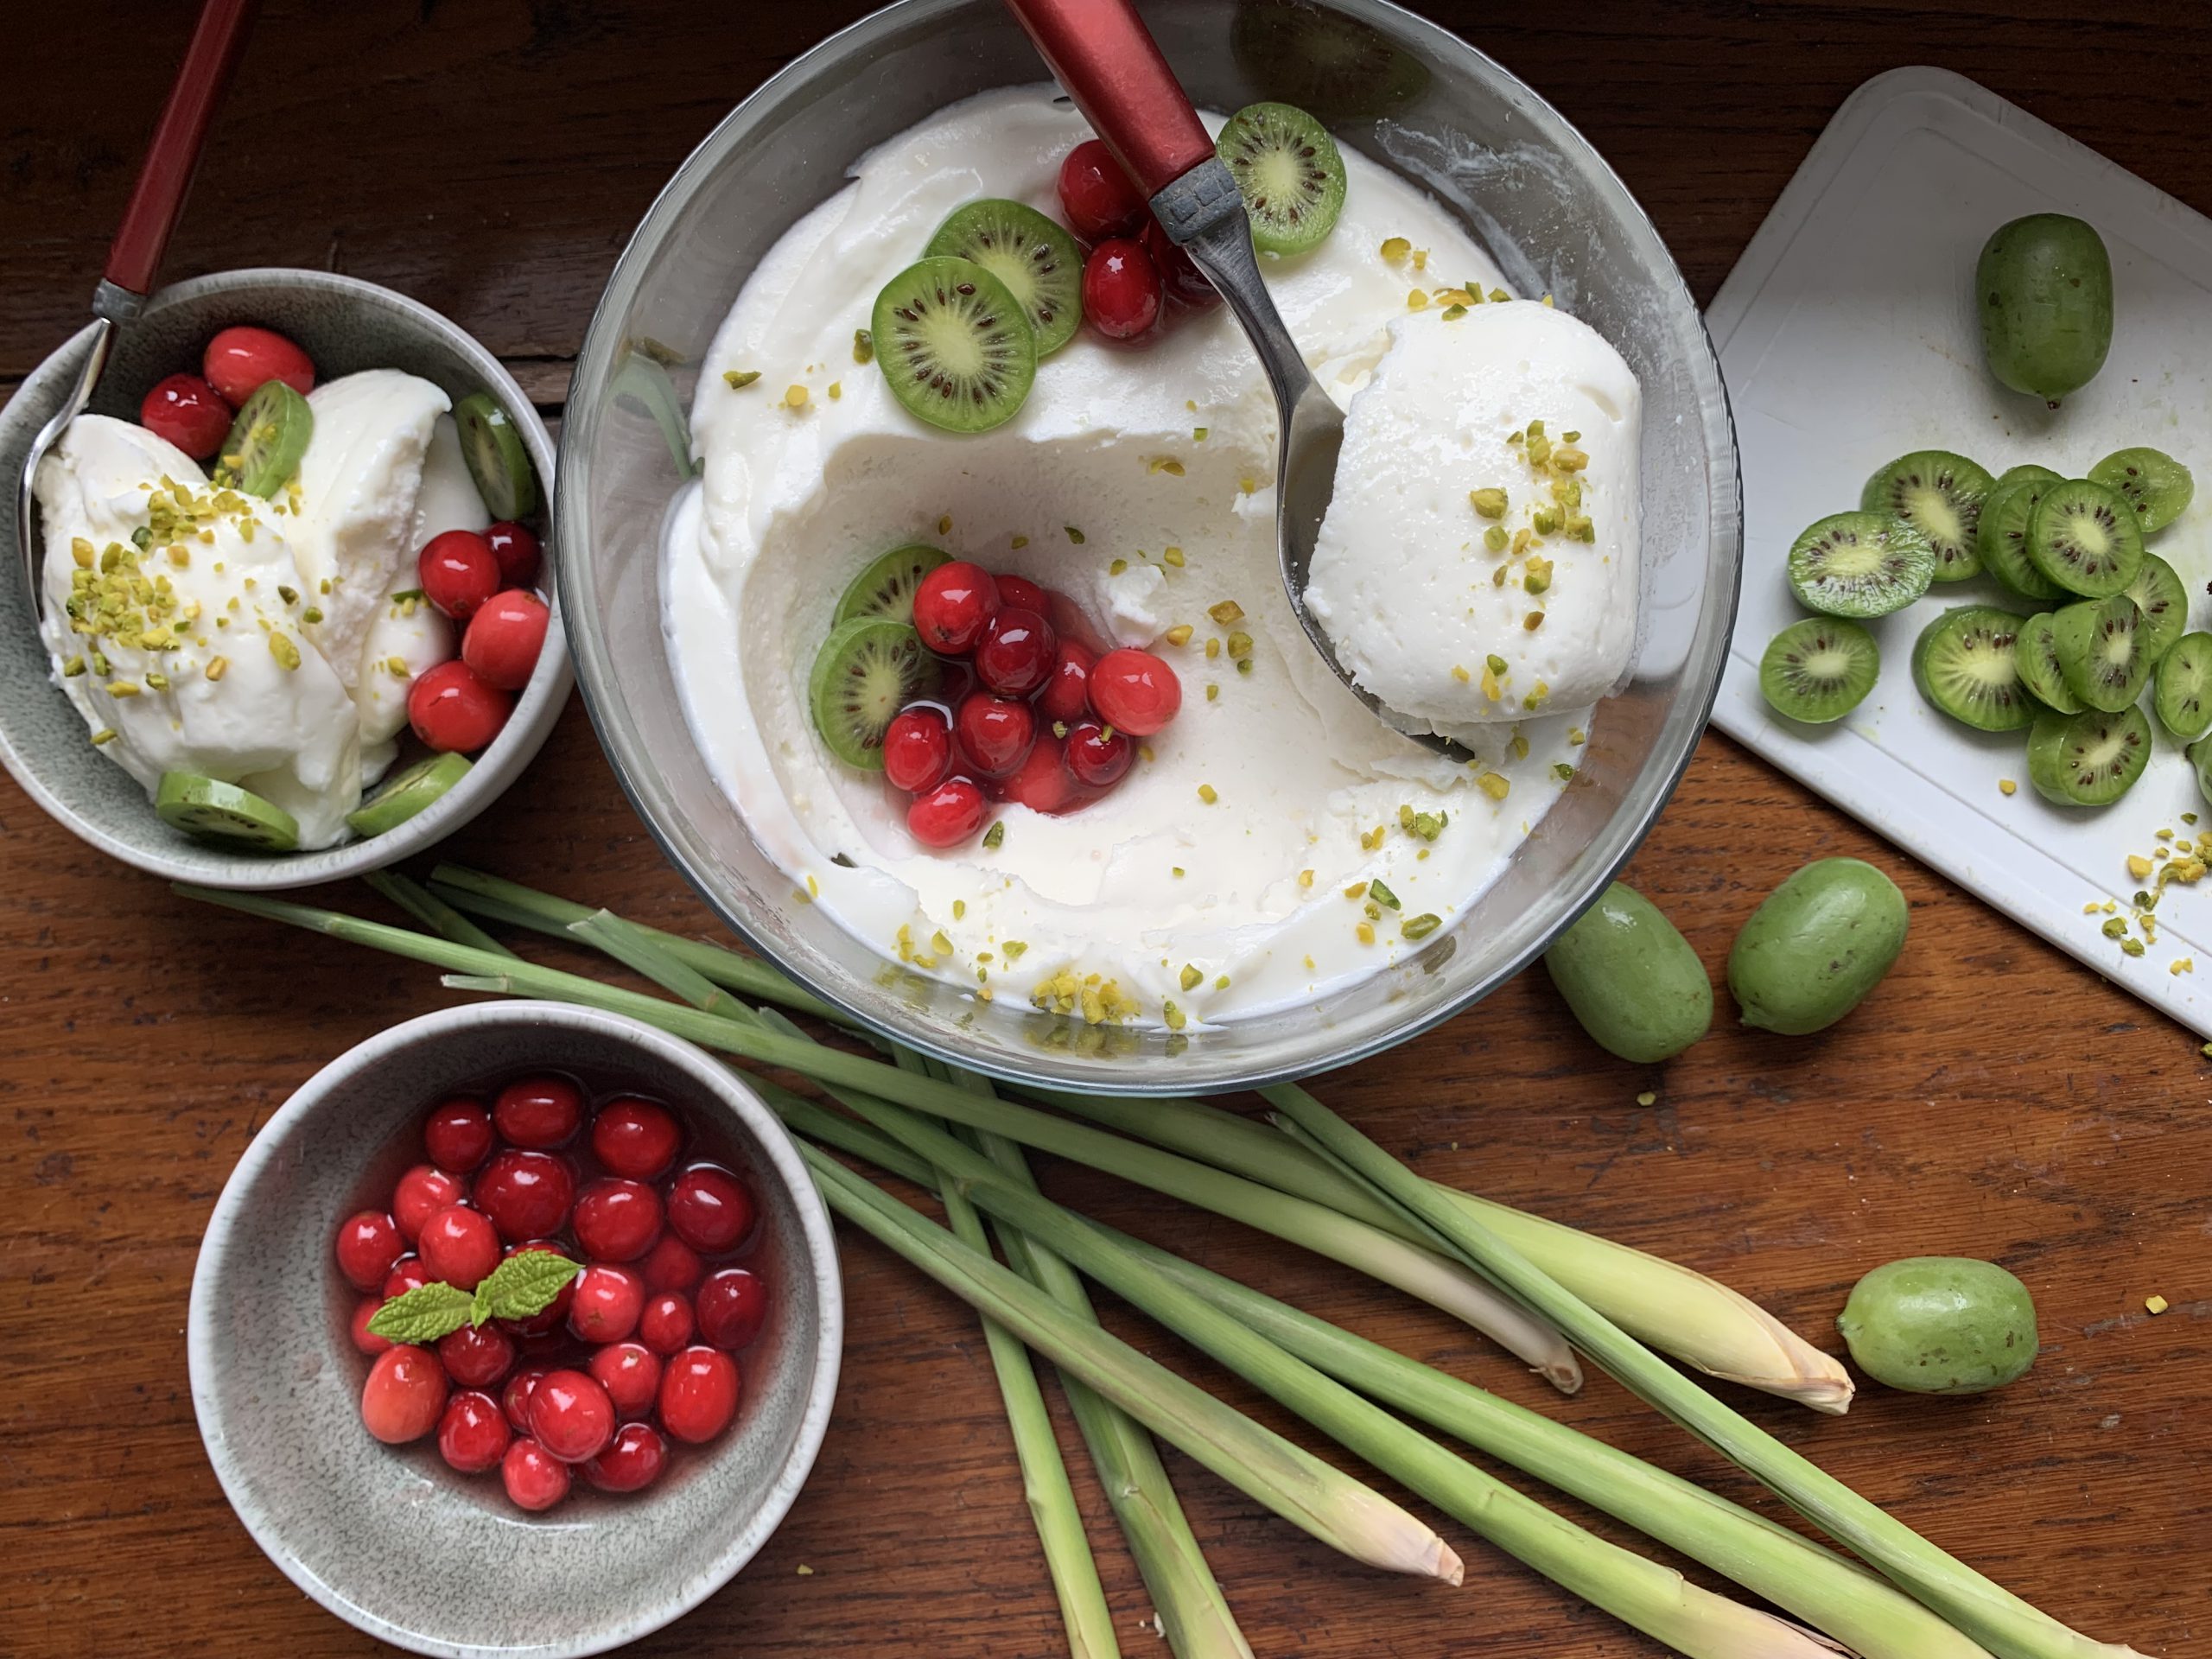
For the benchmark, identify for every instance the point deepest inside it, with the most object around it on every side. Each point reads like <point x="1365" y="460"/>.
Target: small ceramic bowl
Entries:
<point x="388" y="1538"/>
<point x="345" y="325"/>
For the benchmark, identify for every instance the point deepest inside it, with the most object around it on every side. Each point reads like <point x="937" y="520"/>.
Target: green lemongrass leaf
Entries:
<point x="431" y="911"/>
<point x="423" y="1314"/>
<point x="525" y="1285"/>
<point x="1980" y="1608"/>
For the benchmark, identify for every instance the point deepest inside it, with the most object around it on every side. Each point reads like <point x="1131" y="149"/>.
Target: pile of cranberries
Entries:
<point x="1024" y="710"/>
<point x="634" y="1352"/>
<point x="1131" y="271"/>
<point x="482" y="581"/>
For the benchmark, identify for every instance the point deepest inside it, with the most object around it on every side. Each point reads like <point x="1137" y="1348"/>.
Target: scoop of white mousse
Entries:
<point x="1420" y="607"/>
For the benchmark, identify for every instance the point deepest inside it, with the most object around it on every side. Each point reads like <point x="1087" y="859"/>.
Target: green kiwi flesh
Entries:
<point x="1819" y="670"/>
<point x="1967" y="664"/>
<point x="1860" y="564"/>
<point x="2091" y="759"/>
<point x="1939" y="494"/>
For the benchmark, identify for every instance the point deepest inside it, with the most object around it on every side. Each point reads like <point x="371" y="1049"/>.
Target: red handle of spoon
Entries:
<point x="218" y="40"/>
<point x="1101" y="53"/>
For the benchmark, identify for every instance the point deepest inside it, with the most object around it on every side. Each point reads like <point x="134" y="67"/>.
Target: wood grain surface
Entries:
<point x="489" y="157"/>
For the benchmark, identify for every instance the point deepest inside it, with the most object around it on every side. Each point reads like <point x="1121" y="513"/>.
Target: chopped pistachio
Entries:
<point x="1208" y="794"/>
<point x="1171" y="557"/>
<point x="73" y="668"/>
<point x="1190" y="977"/>
<point x="2131" y="947"/>
<point x="1213" y="691"/>
<point x="1421" y="926"/>
<point x="1395" y="249"/>
<point x="105" y="734"/>
<point x="1117" y="567"/>
<point x="1171" y="1016"/>
<point x="1213" y="648"/>
<point x="1460" y="674"/>
<point x="1178" y="635"/>
<point x="1453" y="313"/>
<point x="1166" y="464"/>
<point x="1494" y="786"/>
<point x="995" y="838"/>
<point x="1226" y="611"/>
<point x="1364" y="932"/>
<point x="1383" y="895"/>
<point x="1534" y="621"/>
<point x="863" y="345"/>
<point x="1490" y="503"/>
<point x="1019" y="542"/>
<point x="1197" y="435"/>
<point x="1240" y="645"/>
<point x="286" y="653"/>
<point x="1074" y="535"/>
<point x="738" y="379"/>
<point x="1564" y="772"/>
<point x="1494" y="538"/>
<point x="1536" y="576"/>
<point x="1417" y="301"/>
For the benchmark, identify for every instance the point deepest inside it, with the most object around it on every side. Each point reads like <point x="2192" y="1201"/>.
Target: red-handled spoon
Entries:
<point x="135" y="257"/>
<point x="1101" y="53"/>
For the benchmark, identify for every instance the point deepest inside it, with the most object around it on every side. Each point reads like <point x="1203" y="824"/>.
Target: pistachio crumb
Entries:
<point x="2006" y="786"/>
<point x="2155" y="1306"/>
<point x="1171" y="557"/>
<point x="1174" y="1017"/>
<point x="944" y="523"/>
<point x="863" y="345"/>
<point x="1074" y="535"/>
<point x="1190" y="977"/>
<point x="738" y="379"/>
<point x="1364" y="932"/>
<point x="1117" y="567"/>
<point x="995" y="838"/>
<point x="1495" y="786"/>
<point x="1417" y="301"/>
<point x="1396" y="249"/>
<point x="1208" y="794"/>
<point x="1213" y="691"/>
<point x="1227" y="612"/>
<point x="1421" y="926"/>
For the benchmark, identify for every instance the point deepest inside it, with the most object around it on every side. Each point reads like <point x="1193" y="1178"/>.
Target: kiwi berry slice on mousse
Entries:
<point x="2002" y="540"/>
<point x="497" y="458"/>
<point x="2152" y="482"/>
<point x="2091" y="759"/>
<point x="2182" y="688"/>
<point x="266" y="441"/>
<point x="207" y="809"/>
<point x="1819" y="670"/>
<point x="1967" y="663"/>
<point x="2085" y="537"/>
<point x="1288" y="169"/>
<point x="2035" y="651"/>
<point x="1939" y="494"/>
<point x="866" y="671"/>
<point x="407" y="793"/>
<point x="2158" y="593"/>
<point x="2100" y="648"/>
<point x="1860" y="564"/>
<point x="1039" y="262"/>
<point x="887" y="586"/>
<point x="955" y="345"/>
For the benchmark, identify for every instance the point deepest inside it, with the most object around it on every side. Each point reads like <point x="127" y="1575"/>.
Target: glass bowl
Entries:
<point x="1410" y="97"/>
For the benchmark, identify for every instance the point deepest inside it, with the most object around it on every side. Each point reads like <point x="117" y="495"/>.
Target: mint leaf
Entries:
<point x="423" y="1314"/>
<point x="525" y="1285"/>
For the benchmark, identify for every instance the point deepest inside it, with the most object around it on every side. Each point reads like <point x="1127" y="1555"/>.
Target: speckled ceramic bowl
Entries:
<point x="345" y="325"/>
<point x="388" y="1538"/>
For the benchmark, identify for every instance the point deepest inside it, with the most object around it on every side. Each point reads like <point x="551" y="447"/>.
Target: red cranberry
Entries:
<point x="671" y="1265"/>
<point x="951" y="605"/>
<point x="917" y="750"/>
<point x="458" y="572"/>
<point x="1021" y="594"/>
<point x="459" y="1246"/>
<point x="407" y="1274"/>
<point x="1064" y="697"/>
<point x="527" y="1194"/>
<point x="1097" y="195"/>
<point x="636" y="1138"/>
<point x="1017" y="652"/>
<point x="1135" y="692"/>
<point x="472" y="1435"/>
<point x="477" y="1355"/>
<point x="667" y="1323"/>
<point x="607" y="1303"/>
<point x="632" y="1460"/>
<point x="994" y="733"/>
<point x="458" y="1135"/>
<point x="554" y="1314"/>
<point x="239" y="362"/>
<point x="1184" y="282"/>
<point x="732" y="1306"/>
<point x="698" y="1394"/>
<point x="405" y="1392"/>
<point x="949" y="814"/>
<point x="571" y="1415"/>
<point x="515" y="546"/>
<point x="515" y="1400"/>
<point x="535" y="1479"/>
<point x="185" y="410"/>
<point x="368" y="1244"/>
<point x="1120" y="289"/>
<point x="630" y="1372"/>
<point x="541" y="1113"/>
<point x="357" y="1327"/>
<point x="505" y="638"/>
<point x="453" y="711"/>
<point x="617" y="1220"/>
<point x="1042" y="783"/>
<point x="710" y="1208"/>
<point x="1097" y="756"/>
<point x="422" y="1193"/>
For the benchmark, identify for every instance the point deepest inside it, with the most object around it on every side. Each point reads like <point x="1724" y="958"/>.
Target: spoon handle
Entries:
<point x="218" y="40"/>
<point x="1101" y="53"/>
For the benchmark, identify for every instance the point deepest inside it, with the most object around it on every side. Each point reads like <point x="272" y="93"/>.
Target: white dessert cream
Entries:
<point x="1275" y="841"/>
<point x="266" y="644"/>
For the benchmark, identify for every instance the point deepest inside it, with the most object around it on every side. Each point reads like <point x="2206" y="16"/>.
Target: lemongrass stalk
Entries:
<point x="431" y="911"/>
<point x="1982" y="1610"/>
<point x="1649" y="1596"/>
<point x="1310" y="1494"/>
<point x="1698" y="1320"/>
<point x="635" y="947"/>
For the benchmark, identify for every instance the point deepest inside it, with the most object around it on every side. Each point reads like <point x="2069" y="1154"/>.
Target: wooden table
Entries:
<point x="490" y="156"/>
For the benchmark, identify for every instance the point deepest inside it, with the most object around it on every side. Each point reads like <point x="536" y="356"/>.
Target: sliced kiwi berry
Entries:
<point x="1967" y="663"/>
<point x="2158" y="593"/>
<point x="407" y="793"/>
<point x="955" y="346"/>
<point x="1037" y="260"/>
<point x="2035" y="651"/>
<point x="1860" y="564"/>
<point x="497" y="458"/>
<point x="1939" y="494"/>
<point x="266" y="441"/>
<point x="2027" y="470"/>
<point x="2002" y="540"/>
<point x="207" y="809"/>
<point x="1288" y="170"/>
<point x="1819" y="670"/>
<point x="2091" y="759"/>
<point x="2100" y="648"/>
<point x="2085" y="539"/>
<point x="2152" y="482"/>
<point x="868" y="670"/>
<point x="2182" y="688"/>
<point x="887" y="586"/>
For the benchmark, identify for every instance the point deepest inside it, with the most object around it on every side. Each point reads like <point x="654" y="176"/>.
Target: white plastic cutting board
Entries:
<point x="1847" y="336"/>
